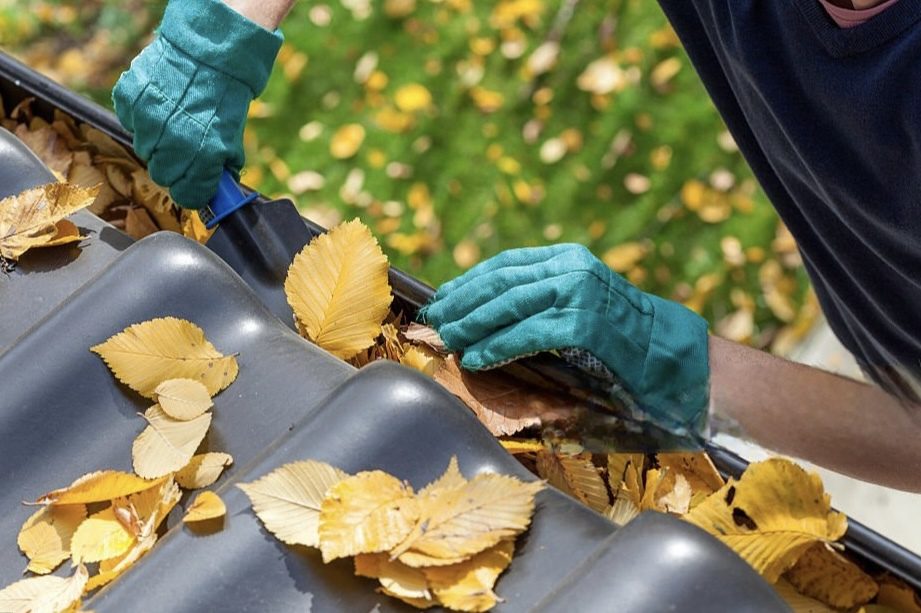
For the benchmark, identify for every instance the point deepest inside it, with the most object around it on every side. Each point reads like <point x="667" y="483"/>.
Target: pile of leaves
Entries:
<point x="444" y="545"/>
<point x="107" y="520"/>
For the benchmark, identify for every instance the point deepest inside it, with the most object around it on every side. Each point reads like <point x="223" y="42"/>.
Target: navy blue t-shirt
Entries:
<point x="830" y="121"/>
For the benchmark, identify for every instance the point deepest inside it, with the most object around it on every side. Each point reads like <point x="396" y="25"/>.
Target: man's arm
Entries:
<point x="838" y="423"/>
<point x="267" y="13"/>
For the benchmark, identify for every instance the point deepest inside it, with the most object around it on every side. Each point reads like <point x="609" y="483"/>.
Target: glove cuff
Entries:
<point x="216" y="35"/>
<point x="676" y="375"/>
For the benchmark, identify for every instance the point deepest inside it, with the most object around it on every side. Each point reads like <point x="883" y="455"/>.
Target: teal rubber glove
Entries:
<point x="186" y="95"/>
<point x="524" y="301"/>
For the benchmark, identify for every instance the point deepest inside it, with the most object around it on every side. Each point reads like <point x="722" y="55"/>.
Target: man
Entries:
<point x="822" y="99"/>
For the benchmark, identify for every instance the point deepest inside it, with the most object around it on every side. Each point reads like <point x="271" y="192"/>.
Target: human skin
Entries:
<point x="267" y="13"/>
<point x="841" y="424"/>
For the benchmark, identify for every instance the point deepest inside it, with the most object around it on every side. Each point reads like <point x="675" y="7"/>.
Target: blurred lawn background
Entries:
<point x="456" y="129"/>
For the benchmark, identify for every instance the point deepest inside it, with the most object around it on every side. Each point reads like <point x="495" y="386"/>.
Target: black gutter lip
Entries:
<point x="18" y="81"/>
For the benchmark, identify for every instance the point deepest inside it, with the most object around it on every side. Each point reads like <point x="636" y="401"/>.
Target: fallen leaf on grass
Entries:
<point x="183" y="399"/>
<point x="45" y="537"/>
<point x="203" y="470"/>
<point x="338" y="289"/>
<point x="206" y="505"/>
<point x="148" y="353"/>
<point x="166" y="444"/>
<point x="366" y="513"/>
<point x="44" y="594"/>
<point x="288" y="499"/>
<point x="30" y="219"/>
<point x="771" y="515"/>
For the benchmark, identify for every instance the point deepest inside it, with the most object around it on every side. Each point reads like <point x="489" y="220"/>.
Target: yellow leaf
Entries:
<point x="44" y="594"/>
<point x="413" y="98"/>
<point x="895" y="594"/>
<point x="618" y="464"/>
<point x="771" y="515"/>
<point x="366" y="513"/>
<point x="451" y="479"/>
<point x="193" y="227"/>
<point x="468" y="586"/>
<point x="101" y="537"/>
<point x="203" y="470"/>
<point x="576" y="476"/>
<point x="655" y="479"/>
<point x="138" y="223"/>
<point x="414" y="358"/>
<point x="338" y="289"/>
<point x="697" y="468"/>
<point x="824" y="574"/>
<point x="45" y="536"/>
<point x="116" y="566"/>
<point x="466" y="520"/>
<point x="28" y="219"/>
<point x="517" y="446"/>
<point x="346" y="141"/>
<point x="206" y="505"/>
<point x="799" y="603"/>
<point x="166" y="444"/>
<point x="397" y="579"/>
<point x="98" y="487"/>
<point x="678" y="498"/>
<point x="182" y="399"/>
<point x="623" y="511"/>
<point x="288" y="499"/>
<point x="624" y="256"/>
<point x="146" y="354"/>
<point x="65" y="233"/>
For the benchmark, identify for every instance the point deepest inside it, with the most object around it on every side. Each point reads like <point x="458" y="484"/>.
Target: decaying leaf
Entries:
<point x="771" y="515"/>
<point x="469" y="519"/>
<point x="824" y="574"/>
<point x="503" y="407"/>
<point x="144" y="355"/>
<point x="101" y="537"/>
<point x="99" y="486"/>
<point x="895" y="594"/>
<point x="426" y="335"/>
<point x="203" y="470"/>
<point x="206" y="505"/>
<point x="183" y="399"/>
<point x="44" y="594"/>
<point x="576" y="476"/>
<point x="467" y="586"/>
<point x="29" y="219"/>
<point x="166" y="444"/>
<point x="366" y="513"/>
<point x="337" y="286"/>
<point x="288" y="499"/>
<point x="45" y="537"/>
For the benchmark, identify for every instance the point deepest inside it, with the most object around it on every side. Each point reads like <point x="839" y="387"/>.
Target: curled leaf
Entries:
<point x="206" y="505"/>
<point x="29" y="219"/>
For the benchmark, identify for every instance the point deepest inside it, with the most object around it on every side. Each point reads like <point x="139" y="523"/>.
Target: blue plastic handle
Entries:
<point x="229" y="198"/>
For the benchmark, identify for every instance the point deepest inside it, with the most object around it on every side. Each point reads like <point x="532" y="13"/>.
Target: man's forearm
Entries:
<point x="838" y="423"/>
<point x="267" y="13"/>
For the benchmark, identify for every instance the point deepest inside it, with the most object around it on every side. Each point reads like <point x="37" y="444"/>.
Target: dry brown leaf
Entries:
<point x="45" y="536"/>
<point x="183" y="399"/>
<point x="206" y="505"/>
<point x="576" y="476"/>
<point x="166" y="444"/>
<point x="99" y="486"/>
<point x="896" y="594"/>
<point x="698" y="469"/>
<point x="203" y="470"/>
<point x="47" y="144"/>
<point x="366" y="513"/>
<point x="338" y="289"/>
<point x="288" y="499"/>
<point x="145" y="354"/>
<point x="771" y="515"/>
<point x="139" y="224"/>
<point x="426" y="335"/>
<point x="29" y="219"/>
<point x="44" y="594"/>
<point x="469" y="519"/>
<point x="824" y="574"/>
<point x="468" y="586"/>
<point x="799" y="603"/>
<point x="101" y="537"/>
<point x="503" y="406"/>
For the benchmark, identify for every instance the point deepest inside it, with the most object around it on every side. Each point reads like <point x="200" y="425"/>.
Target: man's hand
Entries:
<point x="186" y="95"/>
<point x="529" y="300"/>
